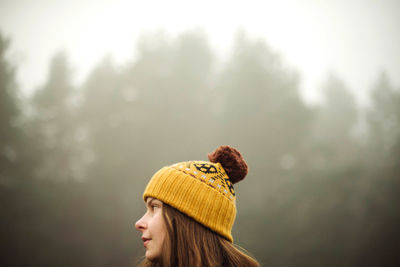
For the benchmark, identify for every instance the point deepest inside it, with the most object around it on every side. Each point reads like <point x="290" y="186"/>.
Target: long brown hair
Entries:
<point x="188" y="243"/>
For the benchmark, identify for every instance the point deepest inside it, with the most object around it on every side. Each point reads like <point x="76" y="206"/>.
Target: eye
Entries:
<point x="153" y="206"/>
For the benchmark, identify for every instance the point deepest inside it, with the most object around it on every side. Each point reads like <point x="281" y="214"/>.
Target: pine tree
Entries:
<point x="335" y="119"/>
<point x="54" y="126"/>
<point x="11" y="137"/>
<point x="384" y="119"/>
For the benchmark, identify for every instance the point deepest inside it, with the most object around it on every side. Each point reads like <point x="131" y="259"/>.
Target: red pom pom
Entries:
<point x="232" y="161"/>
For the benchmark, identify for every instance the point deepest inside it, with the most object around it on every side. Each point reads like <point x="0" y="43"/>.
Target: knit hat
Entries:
<point x="202" y="190"/>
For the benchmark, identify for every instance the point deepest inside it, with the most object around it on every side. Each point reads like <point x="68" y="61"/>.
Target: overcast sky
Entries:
<point x="356" y="39"/>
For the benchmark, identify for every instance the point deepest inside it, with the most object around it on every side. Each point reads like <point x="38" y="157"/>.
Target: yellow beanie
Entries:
<point x="202" y="190"/>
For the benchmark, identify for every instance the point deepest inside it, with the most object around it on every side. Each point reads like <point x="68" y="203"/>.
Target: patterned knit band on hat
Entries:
<point x="202" y="190"/>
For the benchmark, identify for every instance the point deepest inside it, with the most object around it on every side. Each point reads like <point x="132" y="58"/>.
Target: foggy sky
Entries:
<point x="354" y="39"/>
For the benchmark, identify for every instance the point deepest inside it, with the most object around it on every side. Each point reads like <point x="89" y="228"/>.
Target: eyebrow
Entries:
<point x="150" y="201"/>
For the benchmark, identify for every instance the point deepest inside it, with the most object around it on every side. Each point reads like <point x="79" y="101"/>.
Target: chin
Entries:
<point x="151" y="257"/>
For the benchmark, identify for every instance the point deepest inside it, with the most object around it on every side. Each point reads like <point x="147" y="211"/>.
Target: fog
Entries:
<point x="76" y="153"/>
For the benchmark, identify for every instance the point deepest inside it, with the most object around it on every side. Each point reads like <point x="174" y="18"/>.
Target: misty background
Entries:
<point x="76" y="154"/>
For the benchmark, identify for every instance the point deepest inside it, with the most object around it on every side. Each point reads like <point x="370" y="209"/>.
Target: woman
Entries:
<point x="190" y="213"/>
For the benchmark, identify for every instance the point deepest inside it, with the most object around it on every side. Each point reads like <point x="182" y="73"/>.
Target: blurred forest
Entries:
<point x="74" y="161"/>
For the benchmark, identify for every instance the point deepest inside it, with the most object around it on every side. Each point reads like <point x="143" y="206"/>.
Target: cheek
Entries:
<point x="159" y="228"/>
<point x="158" y="233"/>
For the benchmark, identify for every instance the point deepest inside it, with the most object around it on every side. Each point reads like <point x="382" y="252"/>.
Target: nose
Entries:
<point x="140" y="225"/>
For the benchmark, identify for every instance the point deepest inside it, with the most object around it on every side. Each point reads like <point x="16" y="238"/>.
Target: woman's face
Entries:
<point x="153" y="228"/>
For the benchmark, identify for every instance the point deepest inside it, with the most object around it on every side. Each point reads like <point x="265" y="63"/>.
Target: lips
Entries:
<point x="145" y="241"/>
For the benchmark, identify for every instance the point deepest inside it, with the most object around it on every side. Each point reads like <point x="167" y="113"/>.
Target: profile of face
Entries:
<point x="153" y="229"/>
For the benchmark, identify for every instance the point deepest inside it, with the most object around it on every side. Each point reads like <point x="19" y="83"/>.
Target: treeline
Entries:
<point x="74" y="160"/>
